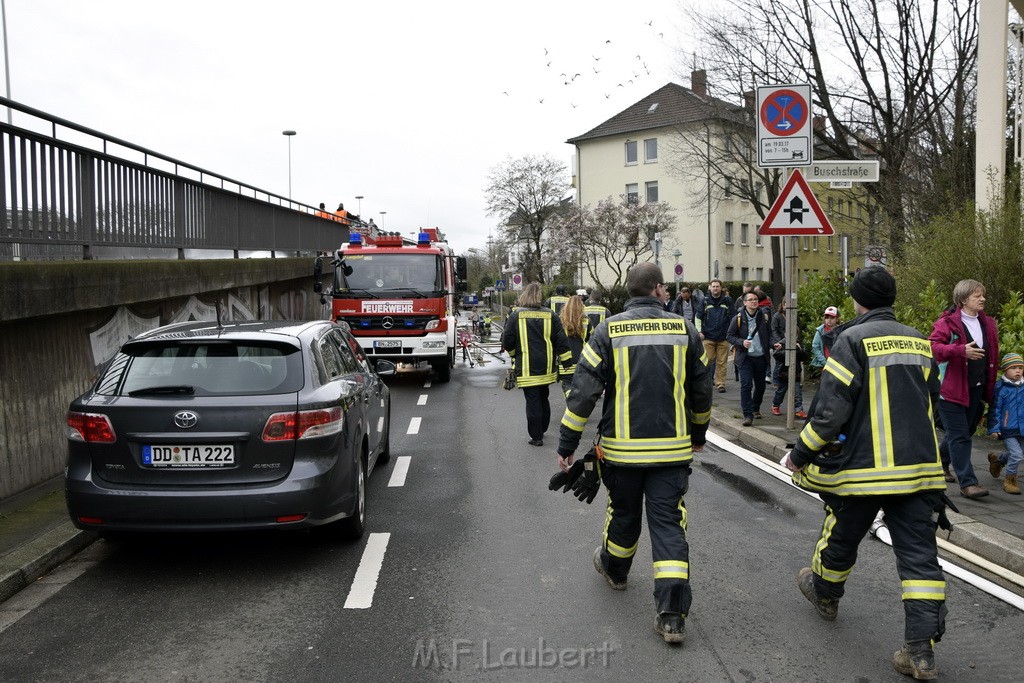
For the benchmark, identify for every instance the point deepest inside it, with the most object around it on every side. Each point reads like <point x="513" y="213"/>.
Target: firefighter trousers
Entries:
<point x="911" y="520"/>
<point x="538" y="410"/>
<point x="659" y="489"/>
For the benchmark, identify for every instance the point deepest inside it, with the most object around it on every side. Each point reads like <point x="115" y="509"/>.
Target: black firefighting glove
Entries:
<point x="940" y="510"/>
<point x="565" y="480"/>
<point x="588" y="483"/>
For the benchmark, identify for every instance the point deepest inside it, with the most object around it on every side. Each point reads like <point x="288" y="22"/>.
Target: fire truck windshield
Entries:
<point x="420" y="274"/>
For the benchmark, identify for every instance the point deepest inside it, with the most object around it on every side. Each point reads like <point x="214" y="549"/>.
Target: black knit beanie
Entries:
<point x="873" y="288"/>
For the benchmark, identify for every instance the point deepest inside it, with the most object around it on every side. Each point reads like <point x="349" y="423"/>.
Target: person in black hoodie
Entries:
<point x="750" y="333"/>
<point x="713" y="322"/>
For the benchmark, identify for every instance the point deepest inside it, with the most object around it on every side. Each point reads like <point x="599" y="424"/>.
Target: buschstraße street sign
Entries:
<point x="857" y="171"/>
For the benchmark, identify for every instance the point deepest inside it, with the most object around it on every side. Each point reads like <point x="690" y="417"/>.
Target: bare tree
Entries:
<point x="891" y="79"/>
<point x="611" y="237"/>
<point x="526" y="193"/>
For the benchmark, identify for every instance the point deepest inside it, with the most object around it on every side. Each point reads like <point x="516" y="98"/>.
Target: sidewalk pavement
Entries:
<point x="36" y="534"/>
<point x="991" y="527"/>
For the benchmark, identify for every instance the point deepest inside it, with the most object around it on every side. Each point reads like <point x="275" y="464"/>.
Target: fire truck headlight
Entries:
<point x="433" y="344"/>
<point x="433" y="324"/>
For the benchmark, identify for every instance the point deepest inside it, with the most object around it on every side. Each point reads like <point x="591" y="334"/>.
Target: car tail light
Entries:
<point x="305" y="424"/>
<point x="90" y="520"/>
<point x="90" y="427"/>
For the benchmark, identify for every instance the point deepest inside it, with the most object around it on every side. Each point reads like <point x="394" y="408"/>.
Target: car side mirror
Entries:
<point x="385" y="368"/>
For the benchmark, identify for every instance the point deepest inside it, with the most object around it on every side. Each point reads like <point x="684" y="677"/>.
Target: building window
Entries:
<point x="632" y="193"/>
<point x="815" y="243"/>
<point x="728" y="233"/>
<point x="807" y="243"/>
<point x="651" y="189"/>
<point x="744" y="231"/>
<point x="728" y="274"/>
<point x="829" y="244"/>
<point x="728" y="187"/>
<point x="744" y="274"/>
<point x="759" y="274"/>
<point x="630" y="152"/>
<point x="830" y="206"/>
<point x="840" y="208"/>
<point x="650" y="150"/>
<point x="757" y="236"/>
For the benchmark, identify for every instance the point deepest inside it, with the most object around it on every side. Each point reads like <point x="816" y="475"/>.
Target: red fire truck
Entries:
<point x="398" y="296"/>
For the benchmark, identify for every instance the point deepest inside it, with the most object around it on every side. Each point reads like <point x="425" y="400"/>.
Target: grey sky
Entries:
<point x="402" y="102"/>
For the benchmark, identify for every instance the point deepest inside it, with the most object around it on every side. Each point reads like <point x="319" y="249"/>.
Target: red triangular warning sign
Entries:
<point x="796" y="211"/>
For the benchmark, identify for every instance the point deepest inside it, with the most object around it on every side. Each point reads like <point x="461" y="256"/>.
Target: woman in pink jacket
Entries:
<point x="965" y="339"/>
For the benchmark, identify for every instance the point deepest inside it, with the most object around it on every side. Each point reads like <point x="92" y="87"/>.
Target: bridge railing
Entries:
<point x="67" y="191"/>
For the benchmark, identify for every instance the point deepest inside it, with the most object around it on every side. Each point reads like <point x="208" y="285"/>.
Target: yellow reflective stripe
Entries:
<point x="671" y="569"/>
<point x="881" y="425"/>
<point x="916" y="589"/>
<point x="683" y="517"/>
<point x="619" y="551"/>
<point x="873" y="481"/>
<point x="701" y="418"/>
<point x="679" y="373"/>
<point x="704" y="359"/>
<point x="537" y="380"/>
<point x="549" y="350"/>
<point x="811" y="438"/>
<point x="648" y="458"/>
<point x="619" y="445"/>
<point x="573" y="421"/>
<point x="565" y="356"/>
<point x="590" y="356"/>
<point x="524" y="346"/>
<point x="830" y="575"/>
<point x="621" y="392"/>
<point x="834" y="368"/>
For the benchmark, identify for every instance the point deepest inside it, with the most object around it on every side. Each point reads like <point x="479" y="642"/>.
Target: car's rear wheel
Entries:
<point x="352" y="528"/>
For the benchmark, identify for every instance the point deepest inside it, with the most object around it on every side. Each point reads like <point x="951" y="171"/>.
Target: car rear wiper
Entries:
<point x="164" y="389"/>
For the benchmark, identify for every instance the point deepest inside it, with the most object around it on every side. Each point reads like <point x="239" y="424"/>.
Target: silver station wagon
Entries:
<point x="247" y="425"/>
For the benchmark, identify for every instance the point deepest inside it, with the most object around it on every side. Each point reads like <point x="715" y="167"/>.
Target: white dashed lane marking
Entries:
<point x="400" y="471"/>
<point x="365" y="582"/>
<point x="414" y="426"/>
<point x="422" y="401"/>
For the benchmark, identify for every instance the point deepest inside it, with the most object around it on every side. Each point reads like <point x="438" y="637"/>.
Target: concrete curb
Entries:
<point x="29" y="562"/>
<point x="994" y="545"/>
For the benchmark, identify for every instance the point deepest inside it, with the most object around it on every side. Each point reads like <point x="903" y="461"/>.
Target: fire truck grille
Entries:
<point x="393" y="324"/>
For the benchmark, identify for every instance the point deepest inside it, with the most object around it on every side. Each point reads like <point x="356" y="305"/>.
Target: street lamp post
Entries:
<point x="359" y="207"/>
<point x="289" y="134"/>
<point x="382" y="214"/>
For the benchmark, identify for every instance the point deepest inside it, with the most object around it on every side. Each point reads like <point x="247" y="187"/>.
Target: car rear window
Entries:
<point x="203" y="368"/>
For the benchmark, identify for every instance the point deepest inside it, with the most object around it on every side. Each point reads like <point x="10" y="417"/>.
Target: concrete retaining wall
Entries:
<point x="60" y="321"/>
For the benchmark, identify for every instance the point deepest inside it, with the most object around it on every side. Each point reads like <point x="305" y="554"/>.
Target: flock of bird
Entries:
<point x="607" y="65"/>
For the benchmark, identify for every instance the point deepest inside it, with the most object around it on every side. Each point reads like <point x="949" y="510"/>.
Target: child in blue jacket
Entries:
<point x="1006" y="421"/>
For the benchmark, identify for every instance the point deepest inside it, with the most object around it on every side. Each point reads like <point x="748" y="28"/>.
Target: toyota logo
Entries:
<point x="186" y="419"/>
<point x="387" y="322"/>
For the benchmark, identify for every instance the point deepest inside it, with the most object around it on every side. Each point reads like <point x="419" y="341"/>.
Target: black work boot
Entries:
<point x="616" y="584"/>
<point x="827" y="607"/>
<point x="671" y="627"/>
<point x="917" y="659"/>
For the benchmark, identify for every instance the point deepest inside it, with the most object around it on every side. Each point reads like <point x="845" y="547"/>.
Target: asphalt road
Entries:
<point x="487" y="574"/>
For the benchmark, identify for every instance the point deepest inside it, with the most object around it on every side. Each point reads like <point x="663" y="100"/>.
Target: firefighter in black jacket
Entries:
<point x="878" y="389"/>
<point x="534" y="337"/>
<point x="557" y="300"/>
<point x="652" y="367"/>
